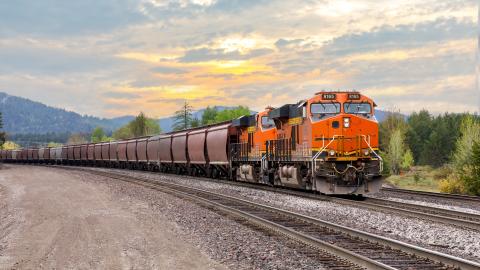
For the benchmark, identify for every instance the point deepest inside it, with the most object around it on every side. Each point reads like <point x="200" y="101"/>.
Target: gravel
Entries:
<point x="224" y="239"/>
<point x="458" y="205"/>
<point x="428" y="234"/>
<point x="437" y="205"/>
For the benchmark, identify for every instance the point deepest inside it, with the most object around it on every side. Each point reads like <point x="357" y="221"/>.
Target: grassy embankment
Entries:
<point x="423" y="178"/>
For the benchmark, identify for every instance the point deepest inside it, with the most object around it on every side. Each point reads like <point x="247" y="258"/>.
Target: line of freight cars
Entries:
<point x="198" y="151"/>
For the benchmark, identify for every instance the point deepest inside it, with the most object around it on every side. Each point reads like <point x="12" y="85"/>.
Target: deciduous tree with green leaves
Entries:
<point x="98" y="135"/>
<point x="209" y="115"/>
<point x="138" y="127"/>
<point x="231" y="114"/>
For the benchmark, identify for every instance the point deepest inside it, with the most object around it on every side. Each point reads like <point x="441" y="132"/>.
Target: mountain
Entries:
<point x="21" y="115"/>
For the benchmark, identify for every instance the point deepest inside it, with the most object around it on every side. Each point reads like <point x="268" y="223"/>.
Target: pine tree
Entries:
<point x="183" y="117"/>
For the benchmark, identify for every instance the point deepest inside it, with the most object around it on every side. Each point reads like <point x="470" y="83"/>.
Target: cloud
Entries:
<point x="402" y="36"/>
<point x="66" y="18"/>
<point x="207" y="54"/>
<point x="120" y="55"/>
<point x="168" y="70"/>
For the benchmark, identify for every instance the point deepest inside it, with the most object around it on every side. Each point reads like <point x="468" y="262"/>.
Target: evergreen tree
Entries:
<point x="183" y="117"/>
<point x="419" y="130"/>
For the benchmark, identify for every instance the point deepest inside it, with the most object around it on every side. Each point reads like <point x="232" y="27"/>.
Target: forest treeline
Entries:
<point x="449" y="140"/>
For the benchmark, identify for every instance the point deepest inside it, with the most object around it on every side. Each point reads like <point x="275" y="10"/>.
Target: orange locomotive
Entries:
<point x="327" y="143"/>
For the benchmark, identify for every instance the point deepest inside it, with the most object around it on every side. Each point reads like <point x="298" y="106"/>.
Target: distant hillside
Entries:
<point x="22" y="115"/>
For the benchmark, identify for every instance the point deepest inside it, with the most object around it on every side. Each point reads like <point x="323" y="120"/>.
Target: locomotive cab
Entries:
<point x="248" y="155"/>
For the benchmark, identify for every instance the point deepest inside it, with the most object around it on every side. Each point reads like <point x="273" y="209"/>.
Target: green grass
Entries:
<point x="424" y="178"/>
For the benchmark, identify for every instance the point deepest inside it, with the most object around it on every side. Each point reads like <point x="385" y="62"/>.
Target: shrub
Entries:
<point x="451" y="184"/>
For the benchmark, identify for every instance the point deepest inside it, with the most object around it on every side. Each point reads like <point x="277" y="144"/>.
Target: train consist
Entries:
<point x="327" y="143"/>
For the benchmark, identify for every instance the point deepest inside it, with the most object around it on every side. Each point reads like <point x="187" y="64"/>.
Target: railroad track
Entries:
<point x="433" y="194"/>
<point x="338" y="247"/>
<point x="444" y="216"/>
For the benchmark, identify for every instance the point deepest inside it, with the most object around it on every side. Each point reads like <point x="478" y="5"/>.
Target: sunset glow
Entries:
<point x="152" y="55"/>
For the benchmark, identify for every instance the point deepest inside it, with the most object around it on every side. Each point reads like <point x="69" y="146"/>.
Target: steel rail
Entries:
<point x="445" y="216"/>
<point x="425" y="259"/>
<point x="433" y="194"/>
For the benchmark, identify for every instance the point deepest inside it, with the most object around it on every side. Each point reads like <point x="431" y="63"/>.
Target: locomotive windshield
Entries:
<point x="357" y="108"/>
<point x="325" y="108"/>
<point x="267" y="122"/>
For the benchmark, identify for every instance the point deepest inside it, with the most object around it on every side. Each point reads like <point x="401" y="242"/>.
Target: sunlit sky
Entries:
<point x="116" y="57"/>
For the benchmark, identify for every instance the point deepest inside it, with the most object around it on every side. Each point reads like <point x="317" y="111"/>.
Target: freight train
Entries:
<point x="327" y="144"/>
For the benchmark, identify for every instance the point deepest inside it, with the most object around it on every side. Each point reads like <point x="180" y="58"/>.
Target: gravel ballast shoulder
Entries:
<point x="443" y="238"/>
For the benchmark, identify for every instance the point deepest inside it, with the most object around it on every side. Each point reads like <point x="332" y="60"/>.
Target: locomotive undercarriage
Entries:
<point x="359" y="177"/>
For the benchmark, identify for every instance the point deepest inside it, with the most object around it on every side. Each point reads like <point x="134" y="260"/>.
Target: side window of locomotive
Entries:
<point x="267" y="123"/>
<point x="363" y="109"/>
<point x="324" y="110"/>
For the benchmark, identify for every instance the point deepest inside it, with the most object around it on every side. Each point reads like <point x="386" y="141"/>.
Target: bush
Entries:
<point x="451" y="184"/>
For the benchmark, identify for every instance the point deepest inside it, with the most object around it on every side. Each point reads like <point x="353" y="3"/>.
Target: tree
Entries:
<point x="98" y="135"/>
<point x="183" y="117"/>
<point x="195" y="123"/>
<point x="209" y="115"/>
<point x="9" y="145"/>
<point x="470" y="133"/>
<point x="472" y="182"/>
<point x="231" y="114"/>
<point x="394" y="121"/>
<point x="396" y="151"/>
<point x="139" y="127"/>
<point x="419" y="130"/>
<point x="408" y="160"/>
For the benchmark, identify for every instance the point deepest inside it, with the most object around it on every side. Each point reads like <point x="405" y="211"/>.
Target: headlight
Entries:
<point x="346" y="122"/>
<point x="332" y="152"/>
<point x="366" y="152"/>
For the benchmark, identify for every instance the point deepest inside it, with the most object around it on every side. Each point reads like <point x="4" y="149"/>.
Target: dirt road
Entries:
<point x="51" y="219"/>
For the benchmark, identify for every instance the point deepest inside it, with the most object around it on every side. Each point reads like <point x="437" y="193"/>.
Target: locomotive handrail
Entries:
<point x="373" y="151"/>
<point x="315" y="157"/>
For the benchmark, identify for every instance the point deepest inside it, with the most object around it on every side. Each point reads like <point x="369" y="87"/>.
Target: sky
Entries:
<point x="119" y="57"/>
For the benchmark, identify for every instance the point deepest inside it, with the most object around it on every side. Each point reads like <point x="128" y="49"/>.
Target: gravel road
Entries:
<point x="52" y="219"/>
